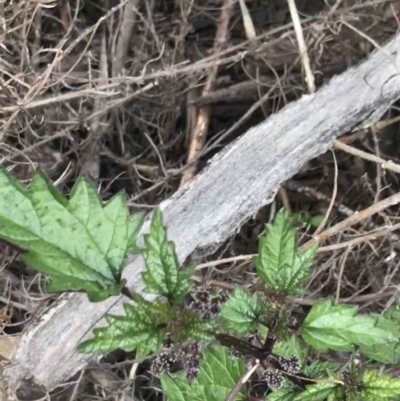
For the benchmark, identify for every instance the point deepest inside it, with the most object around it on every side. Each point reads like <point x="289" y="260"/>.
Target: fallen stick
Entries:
<point x="238" y="181"/>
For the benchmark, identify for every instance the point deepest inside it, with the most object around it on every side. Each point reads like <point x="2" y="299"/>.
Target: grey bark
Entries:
<point x="238" y="181"/>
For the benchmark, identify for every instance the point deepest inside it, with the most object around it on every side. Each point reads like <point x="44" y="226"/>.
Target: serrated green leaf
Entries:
<point x="375" y="387"/>
<point x="283" y="395"/>
<point x="277" y="248"/>
<point x="162" y="275"/>
<point x="79" y="242"/>
<point x="141" y="329"/>
<point x="195" y="328"/>
<point x="317" y="392"/>
<point x="241" y="311"/>
<point x="337" y="327"/>
<point x="277" y="262"/>
<point x="177" y="388"/>
<point x="290" y="278"/>
<point x="318" y="369"/>
<point x="218" y="374"/>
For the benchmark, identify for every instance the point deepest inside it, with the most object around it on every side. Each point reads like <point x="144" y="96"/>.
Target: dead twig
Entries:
<point x="305" y="60"/>
<point x="198" y="135"/>
<point x="354" y="219"/>
<point x="332" y="202"/>
<point x="125" y="35"/>
<point x="363" y="238"/>
<point x="385" y="164"/>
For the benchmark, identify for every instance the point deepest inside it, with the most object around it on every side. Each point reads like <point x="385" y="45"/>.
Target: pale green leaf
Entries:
<point x="375" y="387"/>
<point x="389" y="352"/>
<point x="283" y="394"/>
<point x="162" y="275"/>
<point x="337" y="327"/>
<point x="81" y="243"/>
<point x="241" y="311"/>
<point x="177" y="388"/>
<point x="141" y="329"/>
<point x="277" y="248"/>
<point x="219" y="373"/>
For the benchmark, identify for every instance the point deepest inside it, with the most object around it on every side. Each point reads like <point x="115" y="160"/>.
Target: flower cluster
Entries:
<point x="273" y="378"/>
<point x="206" y="305"/>
<point x="188" y="357"/>
<point x="163" y="362"/>
<point x="290" y="365"/>
<point x="191" y="360"/>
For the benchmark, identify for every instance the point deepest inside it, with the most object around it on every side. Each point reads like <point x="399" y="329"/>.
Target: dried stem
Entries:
<point x="199" y="133"/>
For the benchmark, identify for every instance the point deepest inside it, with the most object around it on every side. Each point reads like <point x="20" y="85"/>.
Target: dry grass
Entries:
<point x="113" y="90"/>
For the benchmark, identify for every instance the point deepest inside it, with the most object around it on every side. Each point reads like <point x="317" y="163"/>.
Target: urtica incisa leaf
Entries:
<point x="278" y="264"/>
<point x="141" y="329"/>
<point x="79" y="242"/>
<point x="163" y="275"/>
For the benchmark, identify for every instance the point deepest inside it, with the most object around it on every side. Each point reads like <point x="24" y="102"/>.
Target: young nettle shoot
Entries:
<point x="203" y="346"/>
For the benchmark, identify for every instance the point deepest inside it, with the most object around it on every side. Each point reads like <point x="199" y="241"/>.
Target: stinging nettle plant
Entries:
<point x="247" y="344"/>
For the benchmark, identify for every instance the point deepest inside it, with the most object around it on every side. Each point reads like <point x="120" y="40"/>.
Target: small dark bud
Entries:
<point x="251" y="338"/>
<point x="273" y="378"/>
<point x="290" y="365"/>
<point x="196" y="305"/>
<point x="345" y="373"/>
<point x="213" y="308"/>
<point x="234" y="353"/>
<point x="202" y="296"/>
<point x="223" y="297"/>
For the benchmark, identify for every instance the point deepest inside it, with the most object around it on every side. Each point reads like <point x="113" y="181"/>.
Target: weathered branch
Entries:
<point x="238" y="181"/>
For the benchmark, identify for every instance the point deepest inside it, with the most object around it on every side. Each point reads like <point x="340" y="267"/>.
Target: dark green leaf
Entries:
<point x="141" y="329"/>
<point x="317" y="392"/>
<point x="162" y="275"/>
<point x="195" y="328"/>
<point x="81" y="243"/>
<point x="218" y="375"/>
<point x="290" y="278"/>
<point x="241" y="311"/>
<point x="318" y="369"/>
<point x="337" y="327"/>
<point x="375" y="387"/>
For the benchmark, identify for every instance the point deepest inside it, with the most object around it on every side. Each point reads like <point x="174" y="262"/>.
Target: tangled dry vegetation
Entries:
<point x="139" y="94"/>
